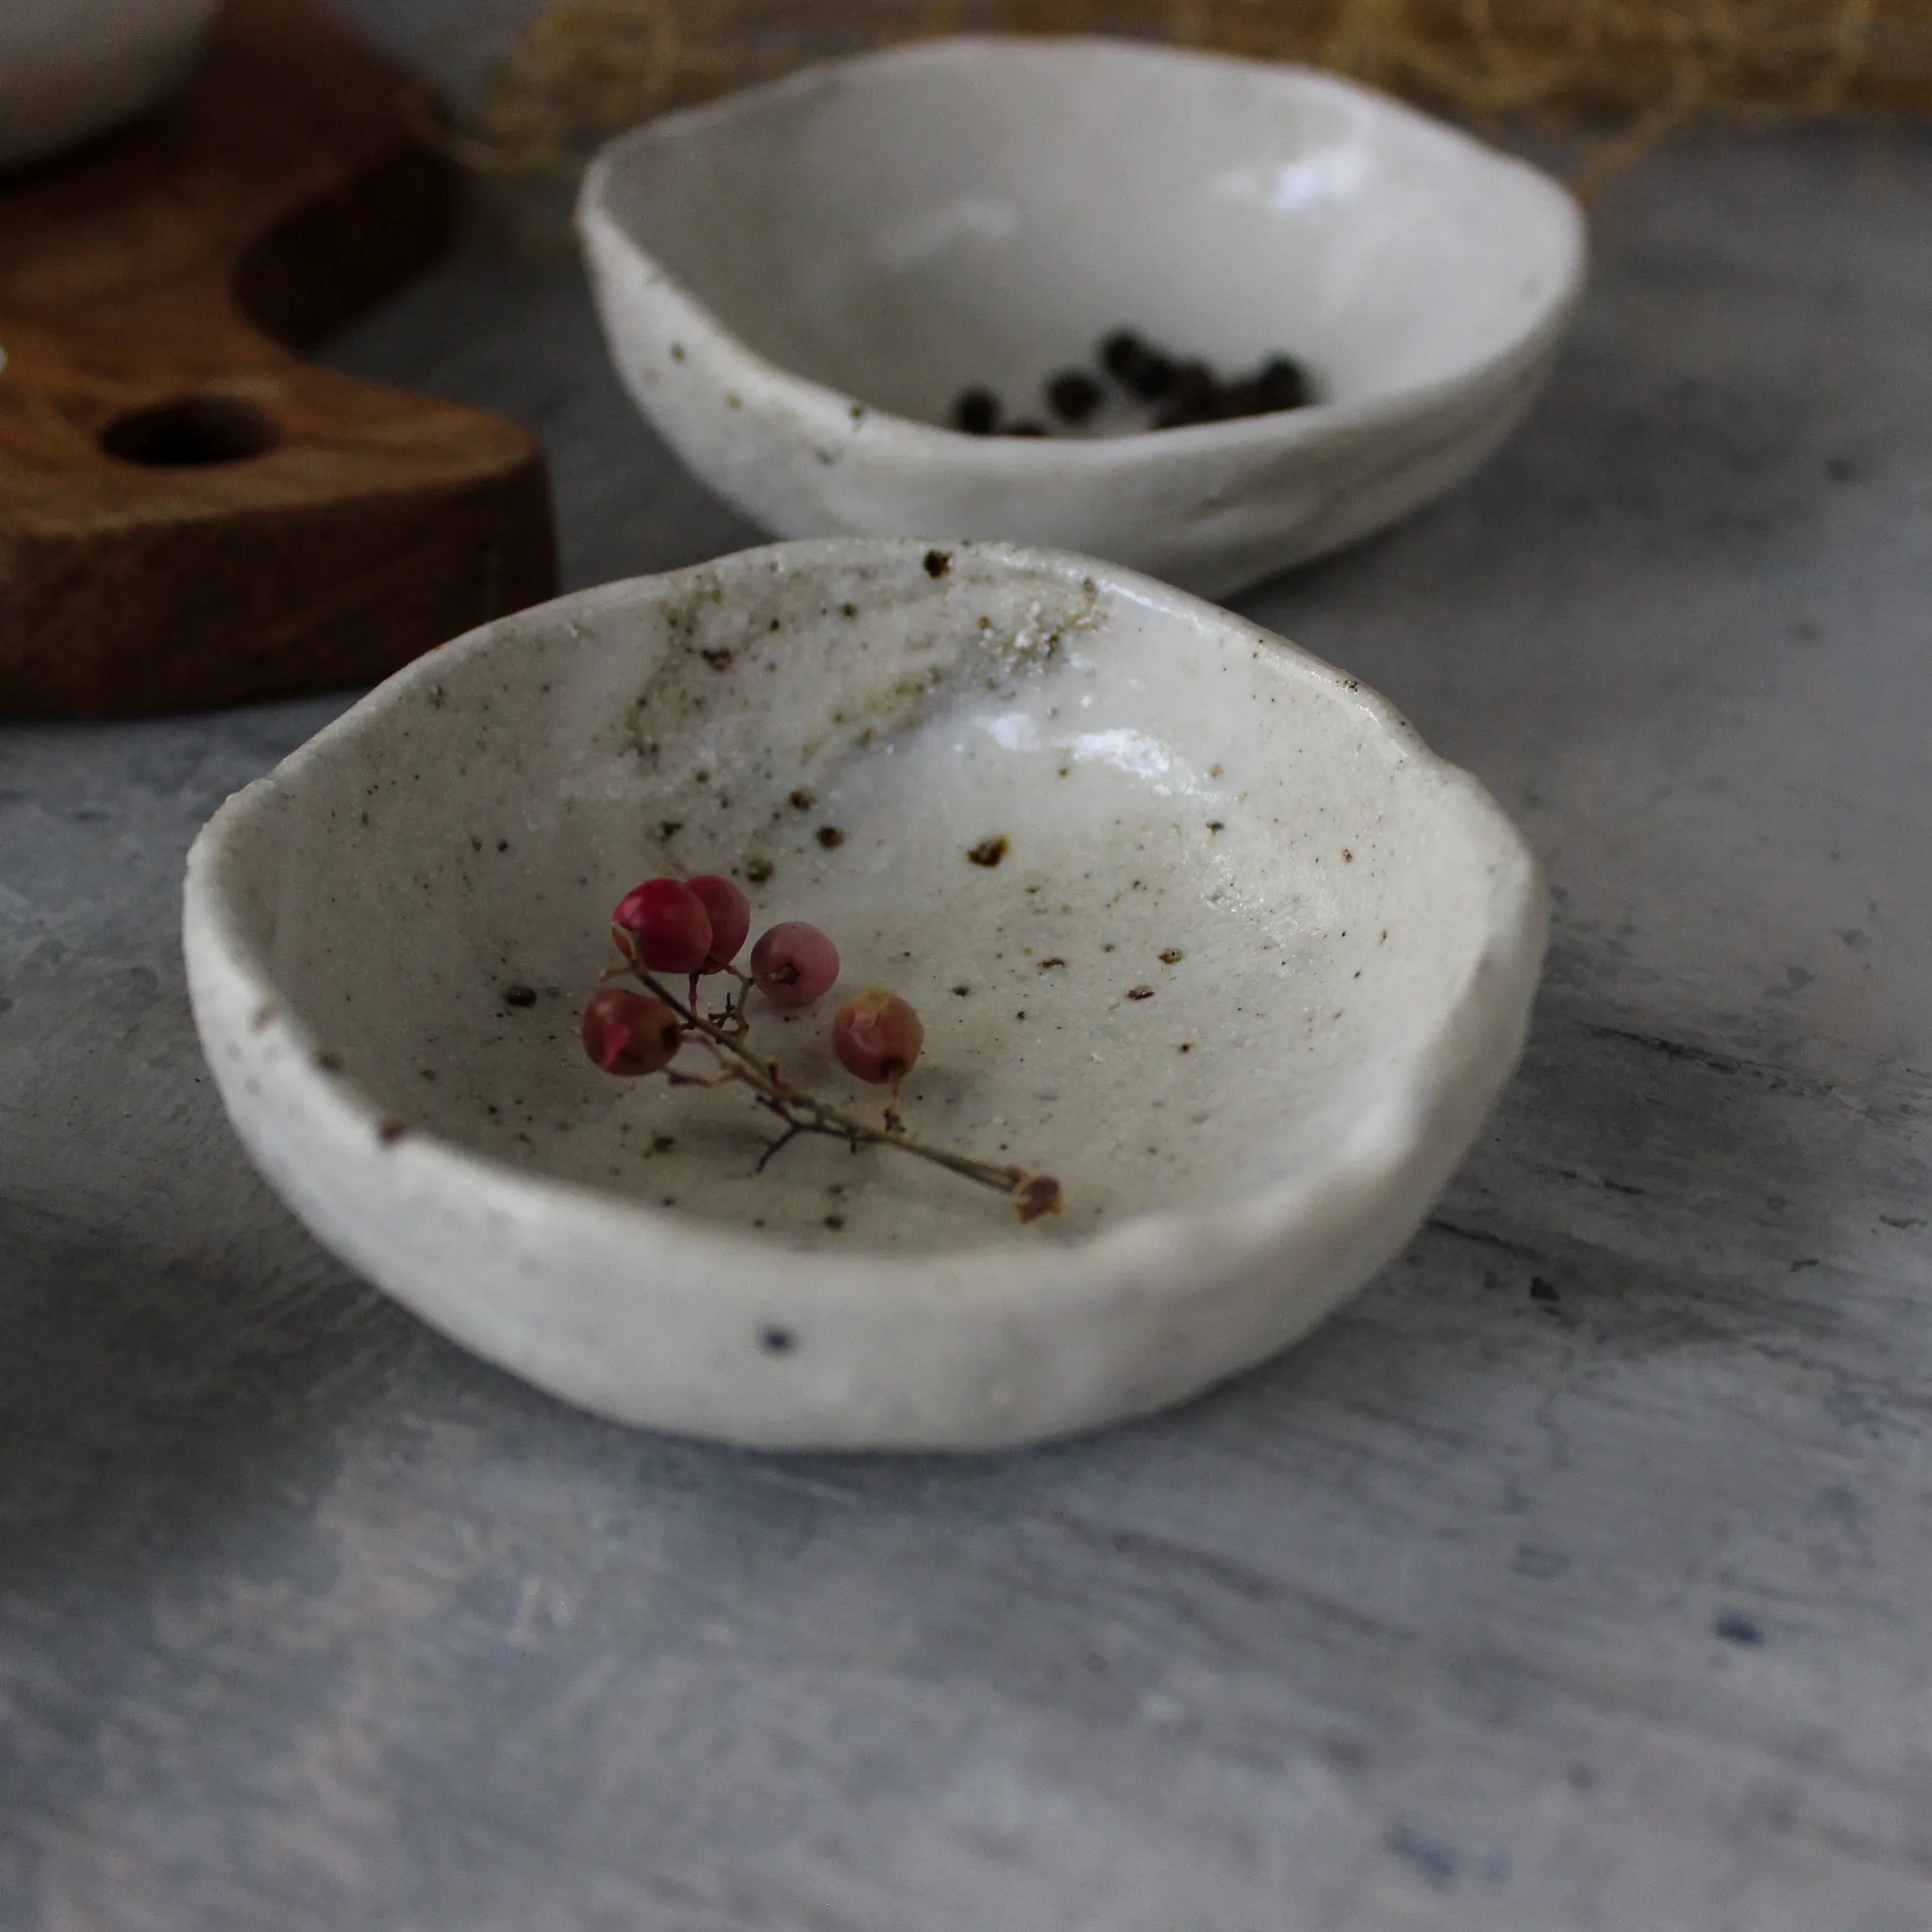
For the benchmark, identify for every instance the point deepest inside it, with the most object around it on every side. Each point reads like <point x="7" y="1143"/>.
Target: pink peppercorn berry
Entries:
<point x="877" y="1037"/>
<point x="629" y="1033"/>
<point x="662" y="926"/>
<point x="729" y="912"/>
<point x="793" y="963"/>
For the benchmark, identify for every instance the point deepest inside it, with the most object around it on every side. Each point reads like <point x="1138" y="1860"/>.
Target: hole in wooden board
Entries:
<point x="190" y="433"/>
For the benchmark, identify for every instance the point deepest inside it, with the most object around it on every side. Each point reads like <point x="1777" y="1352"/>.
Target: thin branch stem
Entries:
<point x="1033" y="1194"/>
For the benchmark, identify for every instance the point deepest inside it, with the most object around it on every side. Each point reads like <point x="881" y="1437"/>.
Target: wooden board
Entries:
<point x="189" y="513"/>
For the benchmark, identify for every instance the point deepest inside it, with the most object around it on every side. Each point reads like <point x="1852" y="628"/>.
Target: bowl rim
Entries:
<point x="823" y="407"/>
<point x="1477" y="1033"/>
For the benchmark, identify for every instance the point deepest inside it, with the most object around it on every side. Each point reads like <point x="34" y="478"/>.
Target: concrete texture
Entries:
<point x="1579" y="1575"/>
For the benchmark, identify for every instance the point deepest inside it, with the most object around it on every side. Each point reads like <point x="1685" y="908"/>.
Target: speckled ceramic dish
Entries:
<point x="797" y="282"/>
<point x="1192" y="920"/>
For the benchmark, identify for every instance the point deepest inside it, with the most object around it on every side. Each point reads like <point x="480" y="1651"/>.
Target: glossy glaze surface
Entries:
<point x="798" y="282"/>
<point x="1193" y="923"/>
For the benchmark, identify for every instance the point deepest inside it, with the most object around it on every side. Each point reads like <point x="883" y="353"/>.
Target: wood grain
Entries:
<point x="190" y="513"/>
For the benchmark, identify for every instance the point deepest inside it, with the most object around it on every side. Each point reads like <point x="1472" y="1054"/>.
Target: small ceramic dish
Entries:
<point x="70" y="69"/>
<point x="797" y="282"/>
<point x="1192" y="920"/>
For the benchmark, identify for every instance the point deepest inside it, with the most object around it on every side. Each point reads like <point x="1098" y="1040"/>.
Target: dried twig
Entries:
<point x="1032" y="1194"/>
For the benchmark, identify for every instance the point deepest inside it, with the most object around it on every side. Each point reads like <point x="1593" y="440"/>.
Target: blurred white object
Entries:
<point x="73" y="68"/>
<point x="797" y="281"/>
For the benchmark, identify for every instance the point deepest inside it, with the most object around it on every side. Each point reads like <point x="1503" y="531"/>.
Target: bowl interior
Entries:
<point x="1230" y="905"/>
<point x="984" y="210"/>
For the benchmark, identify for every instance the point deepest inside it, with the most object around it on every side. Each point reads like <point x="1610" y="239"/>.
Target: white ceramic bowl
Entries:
<point x="70" y="69"/>
<point x="796" y="283"/>
<point x="1251" y="970"/>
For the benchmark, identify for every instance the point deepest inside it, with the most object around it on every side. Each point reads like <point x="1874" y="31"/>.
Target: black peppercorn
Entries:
<point x="1121" y="355"/>
<point x="1242" y="398"/>
<point x="1283" y="384"/>
<point x="976" y="411"/>
<point x="1142" y="371"/>
<point x="1074" y="395"/>
<point x="1187" y="392"/>
<point x="1195" y="389"/>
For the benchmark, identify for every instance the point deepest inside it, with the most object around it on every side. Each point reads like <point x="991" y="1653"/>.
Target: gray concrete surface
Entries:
<point x="1579" y="1575"/>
